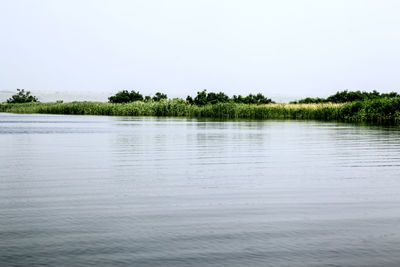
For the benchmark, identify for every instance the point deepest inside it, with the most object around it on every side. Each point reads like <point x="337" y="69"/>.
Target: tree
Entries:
<point x="159" y="96"/>
<point x="22" y="97"/>
<point x="238" y="99"/>
<point x="261" y="99"/>
<point x="201" y="98"/>
<point x="126" y="97"/>
<point x="190" y="100"/>
<point x="213" y="98"/>
<point x="136" y="96"/>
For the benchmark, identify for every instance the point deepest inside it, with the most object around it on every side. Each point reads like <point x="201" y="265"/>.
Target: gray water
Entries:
<point x="138" y="191"/>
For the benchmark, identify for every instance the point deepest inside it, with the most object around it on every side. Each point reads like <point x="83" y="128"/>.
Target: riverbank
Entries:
<point x="386" y="110"/>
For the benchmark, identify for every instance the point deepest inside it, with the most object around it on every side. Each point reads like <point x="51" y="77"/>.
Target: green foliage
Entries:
<point x="159" y="96"/>
<point x="179" y="107"/>
<point x="381" y="110"/>
<point x="203" y="98"/>
<point x="252" y="99"/>
<point x="125" y="97"/>
<point x="189" y="100"/>
<point x="347" y="96"/>
<point x="22" y="97"/>
<point x="309" y="100"/>
<point x="358" y="106"/>
<point x="214" y="98"/>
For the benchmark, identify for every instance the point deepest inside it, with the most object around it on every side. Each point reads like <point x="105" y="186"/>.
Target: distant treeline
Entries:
<point x="347" y="96"/>
<point x="126" y="97"/>
<point x="211" y="98"/>
<point x="201" y="99"/>
<point x="343" y="106"/>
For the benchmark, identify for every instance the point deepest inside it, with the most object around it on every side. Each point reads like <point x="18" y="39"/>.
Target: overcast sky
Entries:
<point x="309" y="47"/>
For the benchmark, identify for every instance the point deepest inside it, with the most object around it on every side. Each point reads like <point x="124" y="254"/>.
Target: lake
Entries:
<point x="147" y="191"/>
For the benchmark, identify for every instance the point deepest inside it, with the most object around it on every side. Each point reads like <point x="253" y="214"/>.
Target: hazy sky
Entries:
<point x="181" y="46"/>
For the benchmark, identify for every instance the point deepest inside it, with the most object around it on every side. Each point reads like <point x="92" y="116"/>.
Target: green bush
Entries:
<point x="381" y="108"/>
<point x="252" y="99"/>
<point x="159" y="96"/>
<point x="203" y="98"/>
<point x="125" y="97"/>
<point x="347" y="96"/>
<point x="22" y="97"/>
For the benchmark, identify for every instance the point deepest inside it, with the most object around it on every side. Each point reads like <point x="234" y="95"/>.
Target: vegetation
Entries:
<point x="359" y="106"/>
<point x="126" y="97"/>
<point x="203" y="98"/>
<point x="159" y="96"/>
<point x="22" y="97"/>
<point x="347" y="96"/>
<point x="133" y="96"/>
<point x="384" y="110"/>
<point x="258" y="99"/>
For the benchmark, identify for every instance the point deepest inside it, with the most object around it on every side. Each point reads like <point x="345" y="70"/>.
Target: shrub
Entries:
<point x="347" y="96"/>
<point x="159" y="96"/>
<point x="126" y="97"/>
<point x="214" y="98"/>
<point x="252" y="99"/>
<point x="204" y="98"/>
<point x="309" y="100"/>
<point x="22" y="97"/>
<point x="201" y="98"/>
<point x="189" y="100"/>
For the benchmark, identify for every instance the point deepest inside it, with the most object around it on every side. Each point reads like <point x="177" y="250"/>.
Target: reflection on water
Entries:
<point x="110" y="191"/>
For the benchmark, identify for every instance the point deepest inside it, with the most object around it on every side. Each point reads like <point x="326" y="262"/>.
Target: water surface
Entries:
<point x="145" y="191"/>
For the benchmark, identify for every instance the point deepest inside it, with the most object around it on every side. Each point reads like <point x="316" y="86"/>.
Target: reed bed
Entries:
<point x="379" y="110"/>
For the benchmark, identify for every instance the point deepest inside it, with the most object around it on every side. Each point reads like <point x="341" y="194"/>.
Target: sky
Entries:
<point x="285" y="48"/>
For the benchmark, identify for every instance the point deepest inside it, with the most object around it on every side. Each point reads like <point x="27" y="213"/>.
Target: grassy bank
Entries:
<point x="378" y="110"/>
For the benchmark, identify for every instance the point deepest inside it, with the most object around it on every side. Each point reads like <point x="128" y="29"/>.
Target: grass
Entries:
<point x="379" y="110"/>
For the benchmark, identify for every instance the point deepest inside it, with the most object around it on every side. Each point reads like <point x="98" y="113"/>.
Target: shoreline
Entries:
<point x="384" y="111"/>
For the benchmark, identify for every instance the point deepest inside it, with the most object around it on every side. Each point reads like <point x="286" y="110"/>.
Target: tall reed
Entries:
<point x="376" y="110"/>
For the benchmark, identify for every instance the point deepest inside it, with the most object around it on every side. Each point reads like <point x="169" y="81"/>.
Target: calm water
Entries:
<point x="119" y="191"/>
